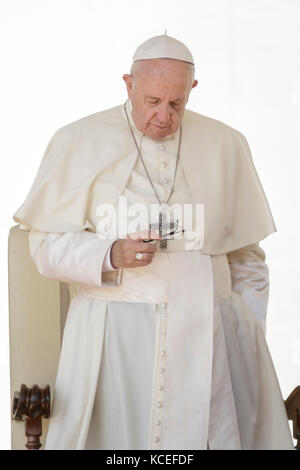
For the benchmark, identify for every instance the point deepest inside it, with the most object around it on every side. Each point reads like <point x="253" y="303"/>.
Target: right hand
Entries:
<point x="123" y="251"/>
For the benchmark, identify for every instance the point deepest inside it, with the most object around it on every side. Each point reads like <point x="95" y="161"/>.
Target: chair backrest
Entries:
<point x="37" y="312"/>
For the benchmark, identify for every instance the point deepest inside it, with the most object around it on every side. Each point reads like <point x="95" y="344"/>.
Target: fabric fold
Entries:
<point x="77" y="376"/>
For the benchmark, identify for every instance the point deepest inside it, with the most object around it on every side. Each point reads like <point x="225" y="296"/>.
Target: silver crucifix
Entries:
<point x="165" y="228"/>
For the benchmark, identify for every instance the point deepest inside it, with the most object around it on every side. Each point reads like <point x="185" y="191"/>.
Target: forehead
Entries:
<point x="161" y="75"/>
<point x="157" y="67"/>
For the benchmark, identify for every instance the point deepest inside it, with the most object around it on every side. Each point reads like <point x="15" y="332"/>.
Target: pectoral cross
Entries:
<point x="161" y="225"/>
<point x="165" y="228"/>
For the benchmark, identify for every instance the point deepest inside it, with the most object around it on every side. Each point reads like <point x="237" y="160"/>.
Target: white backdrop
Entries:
<point x="64" y="59"/>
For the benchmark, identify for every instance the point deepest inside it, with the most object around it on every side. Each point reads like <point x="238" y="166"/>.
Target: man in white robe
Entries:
<point x="164" y="347"/>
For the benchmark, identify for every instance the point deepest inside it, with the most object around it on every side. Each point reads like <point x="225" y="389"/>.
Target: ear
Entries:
<point x="195" y="83"/>
<point x="128" y="81"/>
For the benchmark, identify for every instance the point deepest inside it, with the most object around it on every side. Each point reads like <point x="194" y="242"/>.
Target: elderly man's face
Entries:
<point x="159" y="91"/>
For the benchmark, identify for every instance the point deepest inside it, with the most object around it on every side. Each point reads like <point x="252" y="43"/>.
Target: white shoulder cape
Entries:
<point x="215" y="157"/>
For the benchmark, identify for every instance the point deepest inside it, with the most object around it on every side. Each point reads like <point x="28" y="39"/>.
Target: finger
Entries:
<point x="140" y="264"/>
<point x="145" y="235"/>
<point x="142" y="247"/>
<point x="151" y="235"/>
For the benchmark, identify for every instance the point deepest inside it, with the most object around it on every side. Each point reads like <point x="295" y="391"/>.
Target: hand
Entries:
<point x="123" y="251"/>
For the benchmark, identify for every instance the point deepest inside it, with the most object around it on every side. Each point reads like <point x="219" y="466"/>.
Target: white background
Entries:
<point x="64" y="59"/>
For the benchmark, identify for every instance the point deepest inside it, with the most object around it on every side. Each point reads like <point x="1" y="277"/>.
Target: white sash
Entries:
<point x="189" y="351"/>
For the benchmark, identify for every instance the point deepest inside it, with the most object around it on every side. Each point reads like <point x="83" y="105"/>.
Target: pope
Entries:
<point x="153" y="214"/>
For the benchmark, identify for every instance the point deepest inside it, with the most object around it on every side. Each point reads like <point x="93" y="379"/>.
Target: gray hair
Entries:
<point x="136" y="69"/>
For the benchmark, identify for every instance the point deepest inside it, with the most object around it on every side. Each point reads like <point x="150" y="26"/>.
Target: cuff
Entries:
<point x="107" y="266"/>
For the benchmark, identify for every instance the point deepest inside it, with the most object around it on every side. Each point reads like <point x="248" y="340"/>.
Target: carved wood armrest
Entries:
<point x="292" y="406"/>
<point x="30" y="405"/>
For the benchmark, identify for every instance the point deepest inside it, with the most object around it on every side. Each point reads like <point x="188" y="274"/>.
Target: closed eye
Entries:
<point x="155" y="101"/>
<point x="152" y="101"/>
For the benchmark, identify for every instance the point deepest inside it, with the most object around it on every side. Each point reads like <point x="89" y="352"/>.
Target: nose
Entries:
<point x="163" y="114"/>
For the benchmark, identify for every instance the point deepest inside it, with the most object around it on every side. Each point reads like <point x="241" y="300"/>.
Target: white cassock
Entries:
<point x="168" y="356"/>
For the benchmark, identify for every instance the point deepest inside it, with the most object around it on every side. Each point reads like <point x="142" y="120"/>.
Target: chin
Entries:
<point x="158" y="136"/>
<point x="157" y="133"/>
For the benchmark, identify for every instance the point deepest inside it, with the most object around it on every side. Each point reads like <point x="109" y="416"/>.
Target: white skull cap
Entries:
<point x="159" y="47"/>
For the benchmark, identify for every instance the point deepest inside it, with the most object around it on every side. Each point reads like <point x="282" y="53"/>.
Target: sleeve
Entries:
<point x="250" y="279"/>
<point x="72" y="257"/>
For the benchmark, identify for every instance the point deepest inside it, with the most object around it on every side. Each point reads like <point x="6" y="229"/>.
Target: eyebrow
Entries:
<point x="155" y="98"/>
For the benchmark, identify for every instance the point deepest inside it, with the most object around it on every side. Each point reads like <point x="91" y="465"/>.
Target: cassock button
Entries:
<point x="164" y="164"/>
<point x="157" y="422"/>
<point x="156" y="440"/>
<point x="164" y="305"/>
<point x="159" y="404"/>
<point x="161" y="370"/>
<point x="161" y="148"/>
<point x="165" y="180"/>
<point x="164" y="335"/>
<point x="163" y="353"/>
<point x="160" y="388"/>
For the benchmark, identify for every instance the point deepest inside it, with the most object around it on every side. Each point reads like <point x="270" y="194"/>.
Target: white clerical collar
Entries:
<point x="129" y="110"/>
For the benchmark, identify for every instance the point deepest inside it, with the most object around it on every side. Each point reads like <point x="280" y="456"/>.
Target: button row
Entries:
<point x="160" y="377"/>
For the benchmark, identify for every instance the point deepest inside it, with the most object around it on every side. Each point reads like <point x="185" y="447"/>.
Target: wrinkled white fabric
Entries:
<point x="78" y="257"/>
<point x="182" y="377"/>
<point x="240" y="415"/>
<point x="118" y="326"/>
<point x="96" y="154"/>
<point x="250" y="279"/>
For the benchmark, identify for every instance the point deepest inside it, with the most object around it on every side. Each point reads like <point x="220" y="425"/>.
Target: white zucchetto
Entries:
<point x="159" y="47"/>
